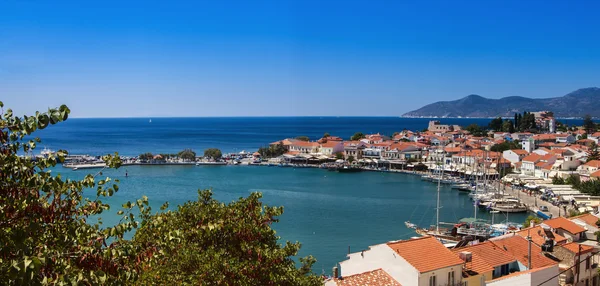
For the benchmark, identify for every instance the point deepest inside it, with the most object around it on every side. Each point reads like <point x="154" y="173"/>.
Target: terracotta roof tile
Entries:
<point x="533" y="157"/>
<point x="538" y="234"/>
<point x="493" y="255"/>
<point x="595" y="174"/>
<point x="477" y="264"/>
<point x="517" y="246"/>
<point x="565" y="224"/>
<point x="588" y="218"/>
<point x="425" y="253"/>
<point x="593" y="163"/>
<point x="574" y="247"/>
<point x="372" y="278"/>
<point x="519" y="151"/>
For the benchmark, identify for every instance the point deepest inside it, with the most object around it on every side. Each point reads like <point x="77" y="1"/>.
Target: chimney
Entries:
<point x="335" y="272"/>
<point x="528" y="250"/>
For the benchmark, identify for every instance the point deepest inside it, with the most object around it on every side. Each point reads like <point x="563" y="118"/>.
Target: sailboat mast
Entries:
<point x="437" y="209"/>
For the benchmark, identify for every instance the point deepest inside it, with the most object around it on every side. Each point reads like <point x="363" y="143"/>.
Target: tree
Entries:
<point x="558" y="180"/>
<point x="213" y="153"/>
<point x="357" y="136"/>
<point x="530" y="218"/>
<point x="507" y="126"/>
<point x="588" y="124"/>
<point x="339" y="155"/>
<point x="593" y="153"/>
<point x="303" y="138"/>
<point x="496" y="124"/>
<point x="506" y="145"/>
<point x="516" y="121"/>
<point x="326" y="135"/>
<point x="350" y="159"/>
<point x="272" y="151"/>
<point x="46" y="237"/>
<point x="49" y="236"/>
<point x="475" y="130"/>
<point x="146" y="156"/>
<point x="224" y="244"/>
<point x="187" y="155"/>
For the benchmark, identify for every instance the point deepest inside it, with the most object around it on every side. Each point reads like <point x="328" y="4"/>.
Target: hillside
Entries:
<point x="575" y="104"/>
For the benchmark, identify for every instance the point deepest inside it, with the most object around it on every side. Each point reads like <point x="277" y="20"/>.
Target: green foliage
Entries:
<point x="507" y="126"/>
<point x="574" y="212"/>
<point x="146" y="156"/>
<point x="527" y="122"/>
<point x="43" y="218"/>
<point x="476" y="130"/>
<point x="350" y="158"/>
<point x="213" y="153"/>
<point x="188" y="155"/>
<point x="326" y="134"/>
<point x="591" y="187"/>
<point x="558" y="180"/>
<point x="573" y="180"/>
<point x="272" y="151"/>
<point x="530" y="218"/>
<point x="225" y="244"/>
<point x="593" y="153"/>
<point x="506" y="145"/>
<point x="357" y="136"/>
<point x="339" y="155"/>
<point x="496" y="124"/>
<point x="303" y="138"/>
<point x="588" y="124"/>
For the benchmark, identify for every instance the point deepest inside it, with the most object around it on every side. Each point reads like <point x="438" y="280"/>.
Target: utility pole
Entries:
<point x="529" y="250"/>
<point x="578" y="262"/>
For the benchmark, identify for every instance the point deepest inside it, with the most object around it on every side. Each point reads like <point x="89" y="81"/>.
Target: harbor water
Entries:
<point x="326" y="211"/>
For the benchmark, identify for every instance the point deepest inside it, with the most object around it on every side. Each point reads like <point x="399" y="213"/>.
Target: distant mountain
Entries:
<point x="575" y="104"/>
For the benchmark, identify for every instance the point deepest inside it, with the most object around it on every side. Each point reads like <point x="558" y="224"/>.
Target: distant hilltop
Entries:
<point x="575" y="104"/>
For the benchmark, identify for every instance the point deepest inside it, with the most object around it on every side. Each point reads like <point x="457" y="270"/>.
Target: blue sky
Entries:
<point x="253" y="58"/>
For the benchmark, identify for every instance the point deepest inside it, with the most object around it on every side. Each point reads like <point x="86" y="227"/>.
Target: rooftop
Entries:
<point x="425" y="253"/>
<point x="375" y="278"/>
<point x="565" y="224"/>
<point x="538" y="235"/>
<point x="493" y="255"/>
<point x="517" y="246"/>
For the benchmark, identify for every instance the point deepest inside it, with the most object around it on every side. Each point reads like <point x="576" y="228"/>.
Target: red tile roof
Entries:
<point x="477" y="264"/>
<point x="376" y="278"/>
<point x="595" y="174"/>
<point x="517" y="246"/>
<point x="519" y="151"/>
<point x="425" y="253"/>
<point x="533" y="157"/>
<point x="565" y="224"/>
<point x="330" y="144"/>
<point x="574" y="247"/>
<point x="593" y="163"/>
<point x="493" y="255"/>
<point x="588" y="218"/>
<point x="538" y="235"/>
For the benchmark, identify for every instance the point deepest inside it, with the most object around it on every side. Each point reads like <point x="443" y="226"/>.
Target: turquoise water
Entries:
<point x="326" y="211"/>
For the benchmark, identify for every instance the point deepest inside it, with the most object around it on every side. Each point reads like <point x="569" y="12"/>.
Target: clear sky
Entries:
<point x="253" y="58"/>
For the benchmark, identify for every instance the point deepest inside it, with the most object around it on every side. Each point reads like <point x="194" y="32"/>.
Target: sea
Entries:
<point x="330" y="213"/>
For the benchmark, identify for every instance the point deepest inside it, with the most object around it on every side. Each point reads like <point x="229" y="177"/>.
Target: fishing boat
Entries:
<point x="509" y="206"/>
<point x="348" y="169"/>
<point x="542" y="212"/>
<point x="410" y="225"/>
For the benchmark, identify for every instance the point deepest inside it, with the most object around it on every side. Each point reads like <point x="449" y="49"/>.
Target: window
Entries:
<point x="432" y="281"/>
<point x="587" y="263"/>
<point x="451" y="278"/>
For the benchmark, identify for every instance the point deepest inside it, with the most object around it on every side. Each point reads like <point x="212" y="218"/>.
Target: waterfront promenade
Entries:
<point x="533" y="201"/>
